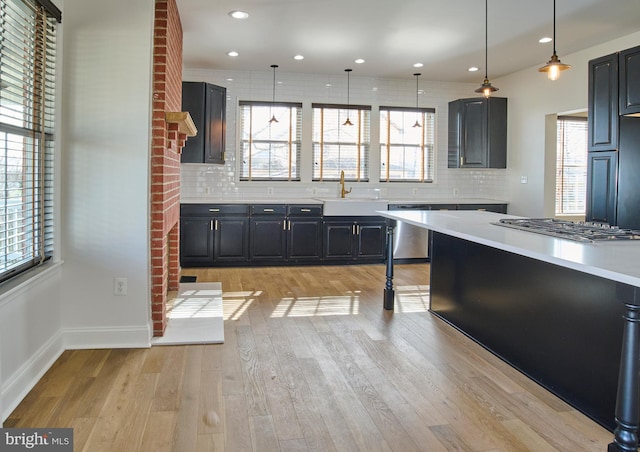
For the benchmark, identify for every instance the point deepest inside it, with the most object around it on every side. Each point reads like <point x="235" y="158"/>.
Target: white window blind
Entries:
<point x="338" y="147"/>
<point x="270" y="150"/>
<point x="406" y="151"/>
<point x="27" y="69"/>
<point x="571" y="166"/>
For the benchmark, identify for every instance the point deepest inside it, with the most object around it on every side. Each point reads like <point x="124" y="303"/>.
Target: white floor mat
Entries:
<point x="196" y="316"/>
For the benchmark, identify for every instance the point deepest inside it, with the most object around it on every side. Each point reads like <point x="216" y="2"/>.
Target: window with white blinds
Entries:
<point x="27" y="69"/>
<point x="339" y="147"/>
<point x="270" y="150"/>
<point x="407" y="144"/>
<point x="571" y="166"/>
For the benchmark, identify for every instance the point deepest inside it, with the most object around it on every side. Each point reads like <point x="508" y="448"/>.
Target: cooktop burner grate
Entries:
<point x="579" y="231"/>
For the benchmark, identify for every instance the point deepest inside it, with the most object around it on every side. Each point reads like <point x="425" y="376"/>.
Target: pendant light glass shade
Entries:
<point x="486" y="89"/>
<point x="417" y="124"/>
<point x="348" y="122"/>
<point x="554" y="66"/>
<point x="273" y="98"/>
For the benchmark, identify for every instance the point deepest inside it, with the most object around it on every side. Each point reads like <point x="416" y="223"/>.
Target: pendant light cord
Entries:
<point x="273" y="98"/>
<point x="554" y="27"/>
<point x="486" y="39"/>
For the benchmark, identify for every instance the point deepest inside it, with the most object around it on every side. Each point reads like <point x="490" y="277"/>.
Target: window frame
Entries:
<point x="426" y="149"/>
<point x="294" y="157"/>
<point x="27" y="142"/>
<point x="561" y="146"/>
<point x="360" y="116"/>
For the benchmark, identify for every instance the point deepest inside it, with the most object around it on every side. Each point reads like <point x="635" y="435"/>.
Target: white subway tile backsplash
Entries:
<point x="221" y="181"/>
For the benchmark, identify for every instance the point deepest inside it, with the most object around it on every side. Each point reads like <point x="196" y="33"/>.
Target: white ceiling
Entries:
<point x="448" y="36"/>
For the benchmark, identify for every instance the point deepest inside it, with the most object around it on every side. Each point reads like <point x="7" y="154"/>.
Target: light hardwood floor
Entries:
<point x="311" y="361"/>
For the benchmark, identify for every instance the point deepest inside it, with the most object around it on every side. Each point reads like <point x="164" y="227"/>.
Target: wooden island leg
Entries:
<point x="389" y="293"/>
<point x="627" y="405"/>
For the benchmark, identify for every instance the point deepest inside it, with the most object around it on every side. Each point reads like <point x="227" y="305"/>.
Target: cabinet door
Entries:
<point x="196" y="241"/>
<point x="602" y="169"/>
<point x="338" y="240"/>
<point x="206" y="103"/>
<point x="474" y="133"/>
<point x="603" y="103"/>
<point x="215" y="128"/>
<point x="231" y="239"/>
<point x="371" y="238"/>
<point x="304" y="239"/>
<point x="268" y="238"/>
<point x="629" y="61"/>
<point x="193" y="101"/>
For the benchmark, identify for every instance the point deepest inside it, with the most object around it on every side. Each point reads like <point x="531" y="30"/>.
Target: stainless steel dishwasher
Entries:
<point x="411" y="243"/>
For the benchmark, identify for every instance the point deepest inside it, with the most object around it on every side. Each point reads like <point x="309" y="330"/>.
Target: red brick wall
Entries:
<point x="165" y="159"/>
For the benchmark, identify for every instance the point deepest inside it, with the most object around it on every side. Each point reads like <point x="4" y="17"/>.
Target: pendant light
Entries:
<point x="417" y="124"/>
<point x="273" y="99"/>
<point x="554" y="65"/>
<point x="348" y="122"/>
<point x="486" y="89"/>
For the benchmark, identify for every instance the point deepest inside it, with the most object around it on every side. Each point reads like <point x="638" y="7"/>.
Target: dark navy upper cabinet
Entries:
<point x="478" y="133"/>
<point x="207" y="105"/>
<point x="603" y="103"/>
<point x="630" y="81"/>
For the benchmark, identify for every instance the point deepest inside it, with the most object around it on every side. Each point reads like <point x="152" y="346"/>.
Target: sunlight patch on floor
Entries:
<point x="316" y="306"/>
<point x="412" y="299"/>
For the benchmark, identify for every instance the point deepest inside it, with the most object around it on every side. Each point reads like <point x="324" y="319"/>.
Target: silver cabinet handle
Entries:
<point x="284" y="225"/>
<point x="211" y="225"/>
<point x="216" y="224"/>
<point x="214" y="210"/>
<point x="305" y="210"/>
<point x="267" y="210"/>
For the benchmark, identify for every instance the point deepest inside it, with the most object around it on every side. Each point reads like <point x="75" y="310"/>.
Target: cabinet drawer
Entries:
<point x="305" y="210"/>
<point x="213" y="209"/>
<point x="268" y="209"/>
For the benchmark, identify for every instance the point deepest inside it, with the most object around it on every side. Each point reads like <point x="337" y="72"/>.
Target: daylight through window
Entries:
<point x="27" y="68"/>
<point x="338" y="147"/>
<point x="270" y="149"/>
<point x="407" y="152"/>
<point x="571" y="166"/>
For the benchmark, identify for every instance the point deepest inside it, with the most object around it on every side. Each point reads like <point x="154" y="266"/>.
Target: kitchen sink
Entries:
<point x="352" y="206"/>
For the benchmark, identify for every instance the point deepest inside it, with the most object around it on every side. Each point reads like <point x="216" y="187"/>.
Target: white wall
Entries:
<point x="531" y="98"/>
<point x="106" y="140"/>
<point x="221" y="181"/>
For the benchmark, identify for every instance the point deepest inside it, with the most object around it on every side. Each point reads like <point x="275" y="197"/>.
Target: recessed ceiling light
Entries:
<point x="359" y="61"/>
<point x="229" y="79"/>
<point x="473" y="69"/>
<point x="239" y="14"/>
<point x="328" y="85"/>
<point x="418" y="65"/>
<point x="298" y="57"/>
<point x="233" y="53"/>
<point x="544" y="40"/>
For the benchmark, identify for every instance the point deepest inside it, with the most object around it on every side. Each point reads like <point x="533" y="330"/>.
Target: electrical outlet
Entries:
<point x="120" y="286"/>
<point x="269" y="190"/>
<point x="415" y="191"/>
<point x="524" y="179"/>
<point x="455" y="192"/>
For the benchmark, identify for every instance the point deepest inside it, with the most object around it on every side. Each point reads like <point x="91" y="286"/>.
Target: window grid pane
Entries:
<point x="338" y="147"/>
<point x="270" y="150"/>
<point x="407" y="152"/>
<point x="571" y="166"/>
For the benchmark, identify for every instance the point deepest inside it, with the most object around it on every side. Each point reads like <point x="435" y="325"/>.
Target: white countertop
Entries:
<point x="615" y="260"/>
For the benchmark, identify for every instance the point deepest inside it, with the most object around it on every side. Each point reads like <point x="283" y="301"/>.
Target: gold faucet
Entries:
<point x="343" y="192"/>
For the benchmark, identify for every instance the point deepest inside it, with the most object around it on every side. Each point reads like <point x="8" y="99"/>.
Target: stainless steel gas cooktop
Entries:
<point x="578" y="231"/>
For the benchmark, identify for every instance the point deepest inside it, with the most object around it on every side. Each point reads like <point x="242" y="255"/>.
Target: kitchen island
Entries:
<point x="553" y="308"/>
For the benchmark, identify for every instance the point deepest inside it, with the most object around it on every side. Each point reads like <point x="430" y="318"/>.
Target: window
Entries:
<point x="338" y="147"/>
<point x="27" y="68"/>
<point x="407" y="152"/>
<point x="571" y="166"/>
<point x="270" y="149"/>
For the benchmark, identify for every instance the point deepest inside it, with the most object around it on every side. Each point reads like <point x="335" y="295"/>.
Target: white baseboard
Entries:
<point x="107" y="337"/>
